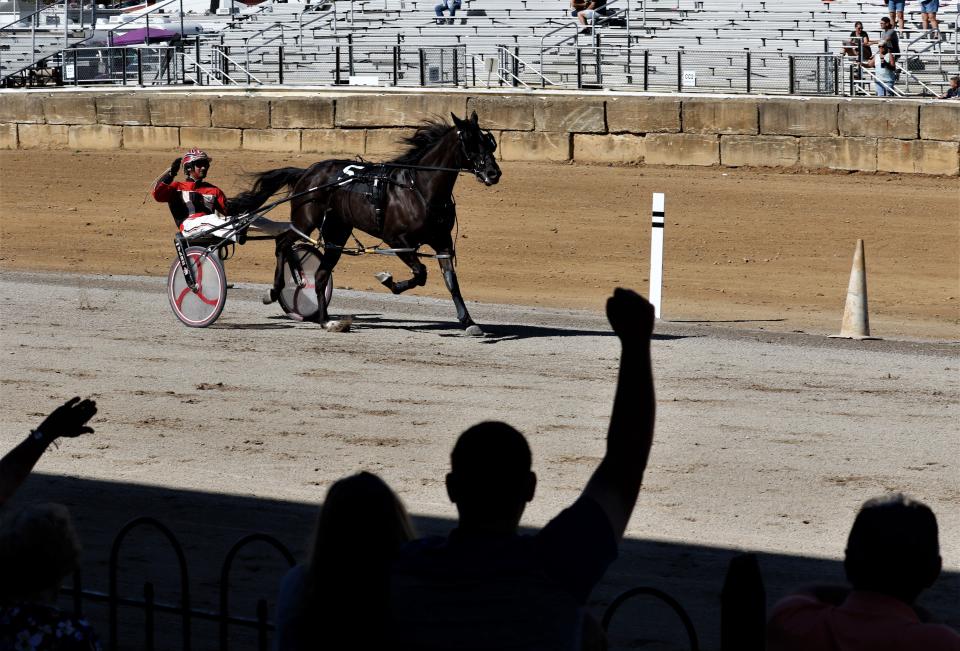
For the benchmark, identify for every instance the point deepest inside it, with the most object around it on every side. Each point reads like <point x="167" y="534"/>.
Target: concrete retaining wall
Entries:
<point x="907" y="136"/>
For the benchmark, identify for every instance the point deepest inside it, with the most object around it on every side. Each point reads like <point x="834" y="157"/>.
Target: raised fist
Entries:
<point x="630" y="316"/>
<point x="175" y="167"/>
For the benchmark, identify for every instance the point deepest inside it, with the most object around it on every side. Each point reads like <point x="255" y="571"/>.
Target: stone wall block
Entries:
<point x="177" y="111"/>
<point x="42" y="136"/>
<point x="21" y="107"/>
<point x="534" y="146"/>
<point x="799" y="117"/>
<point x="498" y="112"/>
<point x="620" y="148"/>
<point x="887" y="119"/>
<point x="395" y="110"/>
<point x="919" y="156"/>
<point x="568" y="114"/>
<point x="281" y="140"/>
<point x="345" y="143"/>
<point x="839" y="153"/>
<point x="210" y="138"/>
<point x="728" y="116"/>
<point x="151" y="138"/>
<point x="240" y="113"/>
<point x="70" y="109"/>
<point x="759" y="151"/>
<point x="385" y="143"/>
<point x="8" y="136"/>
<point x="682" y="149"/>
<point x="301" y="113"/>
<point x="95" y="136"/>
<point x="940" y="121"/>
<point x="123" y="110"/>
<point x="643" y="115"/>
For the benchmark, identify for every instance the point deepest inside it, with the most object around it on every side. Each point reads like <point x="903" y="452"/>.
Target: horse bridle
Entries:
<point x="476" y="158"/>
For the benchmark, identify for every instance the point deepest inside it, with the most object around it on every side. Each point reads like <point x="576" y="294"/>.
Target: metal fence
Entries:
<point x="184" y="610"/>
<point x="141" y="66"/>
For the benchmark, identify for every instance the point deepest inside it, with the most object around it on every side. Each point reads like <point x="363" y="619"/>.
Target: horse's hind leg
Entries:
<point x="334" y="238"/>
<point x="419" y="275"/>
<point x="284" y="251"/>
<point x="445" y="259"/>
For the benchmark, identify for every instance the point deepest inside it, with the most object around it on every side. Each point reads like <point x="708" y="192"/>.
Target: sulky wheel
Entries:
<point x="302" y="300"/>
<point x="200" y="307"/>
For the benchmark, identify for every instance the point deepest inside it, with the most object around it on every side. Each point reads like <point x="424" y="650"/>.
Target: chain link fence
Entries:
<point x="142" y="66"/>
<point x="815" y="74"/>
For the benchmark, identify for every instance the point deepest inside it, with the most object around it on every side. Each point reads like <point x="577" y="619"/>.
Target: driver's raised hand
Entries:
<point x="175" y="167"/>
<point x="69" y="419"/>
<point x="630" y="316"/>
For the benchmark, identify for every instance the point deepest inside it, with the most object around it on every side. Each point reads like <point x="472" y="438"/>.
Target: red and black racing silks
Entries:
<point x="191" y="198"/>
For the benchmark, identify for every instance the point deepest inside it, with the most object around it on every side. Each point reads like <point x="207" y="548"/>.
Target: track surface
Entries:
<point x="764" y="442"/>
<point x="764" y="249"/>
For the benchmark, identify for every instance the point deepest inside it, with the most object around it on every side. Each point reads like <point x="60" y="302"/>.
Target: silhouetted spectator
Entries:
<point x="338" y="600"/>
<point x="893" y="554"/>
<point x="68" y="420"/>
<point x="954" y="91"/>
<point x="38" y="550"/>
<point x="446" y="5"/>
<point x="485" y="586"/>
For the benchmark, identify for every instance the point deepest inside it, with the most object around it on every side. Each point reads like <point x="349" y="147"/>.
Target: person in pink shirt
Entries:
<point x="893" y="554"/>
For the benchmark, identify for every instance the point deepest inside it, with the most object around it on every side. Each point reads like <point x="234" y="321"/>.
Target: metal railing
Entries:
<point x="47" y="21"/>
<point x="141" y="66"/>
<point x="185" y="610"/>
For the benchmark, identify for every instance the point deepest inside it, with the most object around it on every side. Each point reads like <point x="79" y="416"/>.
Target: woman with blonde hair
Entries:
<point x="338" y="599"/>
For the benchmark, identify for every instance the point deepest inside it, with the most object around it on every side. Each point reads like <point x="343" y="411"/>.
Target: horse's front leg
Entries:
<point x="445" y="258"/>
<point x="419" y="278"/>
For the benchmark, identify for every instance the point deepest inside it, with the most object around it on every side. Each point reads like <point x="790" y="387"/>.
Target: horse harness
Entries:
<point x="371" y="180"/>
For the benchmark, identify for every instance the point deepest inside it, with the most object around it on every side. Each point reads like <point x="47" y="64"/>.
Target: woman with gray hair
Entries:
<point x="39" y="548"/>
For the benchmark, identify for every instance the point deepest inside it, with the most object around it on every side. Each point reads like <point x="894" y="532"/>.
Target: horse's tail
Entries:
<point x="266" y="185"/>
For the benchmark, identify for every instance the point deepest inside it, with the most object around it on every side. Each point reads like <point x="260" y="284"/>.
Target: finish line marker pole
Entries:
<point x="656" y="253"/>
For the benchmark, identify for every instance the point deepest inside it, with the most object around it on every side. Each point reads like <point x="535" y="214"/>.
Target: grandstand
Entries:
<point x="729" y="46"/>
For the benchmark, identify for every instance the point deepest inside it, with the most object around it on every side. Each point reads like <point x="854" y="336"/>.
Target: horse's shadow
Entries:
<point x="494" y="332"/>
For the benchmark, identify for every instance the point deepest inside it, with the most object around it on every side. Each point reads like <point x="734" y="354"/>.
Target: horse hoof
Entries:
<point x="340" y="325"/>
<point x="473" y="331"/>
<point x="385" y="278"/>
<point x="269" y="297"/>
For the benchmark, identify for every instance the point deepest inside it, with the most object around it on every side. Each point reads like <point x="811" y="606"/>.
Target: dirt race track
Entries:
<point x="766" y="441"/>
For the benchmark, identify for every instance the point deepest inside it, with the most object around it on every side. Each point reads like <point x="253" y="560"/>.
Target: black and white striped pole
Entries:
<point x="656" y="253"/>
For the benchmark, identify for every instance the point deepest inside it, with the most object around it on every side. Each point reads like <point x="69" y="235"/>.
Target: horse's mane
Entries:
<point x="422" y="141"/>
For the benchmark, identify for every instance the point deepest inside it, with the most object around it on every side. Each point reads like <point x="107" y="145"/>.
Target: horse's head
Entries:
<point x="478" y="147"/>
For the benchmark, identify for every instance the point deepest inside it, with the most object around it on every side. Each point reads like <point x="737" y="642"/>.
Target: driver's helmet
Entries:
<point x="193" y="156"/>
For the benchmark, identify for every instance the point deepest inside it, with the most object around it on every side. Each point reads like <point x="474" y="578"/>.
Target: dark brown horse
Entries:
<point x="406" y="202"/>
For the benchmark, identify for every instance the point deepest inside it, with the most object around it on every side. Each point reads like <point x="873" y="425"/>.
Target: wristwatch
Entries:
<point x="38" y="436"/>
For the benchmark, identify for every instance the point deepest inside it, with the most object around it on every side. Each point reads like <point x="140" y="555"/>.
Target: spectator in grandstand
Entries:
<point x="338" y="599"/>
<point x="928" y="17"/>
<point x="954" y="91"/>
<point x="889" y="36"/>
<point x="487" y="587"/>
<point x="587" y="11"/>
<point x="858" y="45"/>
<point x="197" y="206"/>
<point x="884" y="66"/>
<point x="892" y="555"/>
<point x="896" y="7"/>
<point x="446" y="5"/>
<point x="68" y="420"/>
<point x="39" y="548"/>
